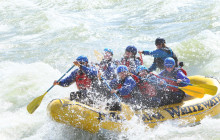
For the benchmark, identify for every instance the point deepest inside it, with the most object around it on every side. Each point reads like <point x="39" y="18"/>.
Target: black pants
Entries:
<point x="151" y="102"/>
<point x="81" y="96"/>
<point x="168" y="97"/>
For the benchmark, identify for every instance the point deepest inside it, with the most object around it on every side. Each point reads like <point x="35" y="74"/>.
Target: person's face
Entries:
<point x="143" y="73"/>
<point x="159" y="46"/>
<point x="107" y="55"/>
<point x="122" y="75"/>
<point x="128" y="54"/>
<point x="83" y="63"/>
<point x="169" y="69"/>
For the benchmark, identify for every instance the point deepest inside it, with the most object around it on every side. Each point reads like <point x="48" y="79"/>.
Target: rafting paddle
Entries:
<point x="141" y="58"/>
<point x="192" y="91"/>
<point x="110" y="88"/>
<point x="199" y="82"/>
<point x="209" y="84"/>
<point x="32" y="106"/>
<point x="98" y="55"/>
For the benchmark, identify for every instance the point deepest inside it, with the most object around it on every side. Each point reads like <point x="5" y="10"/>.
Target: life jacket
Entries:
<point x="171" y="75"/>
<point x="83" y="81"/>
<point x="121" y="83"/>
<point x="125" y="62"/>
<point x="184" y="71"/>
<point x="160" y="62"/>
<point x="137" y="80"/>
<point x="147" y="89"/>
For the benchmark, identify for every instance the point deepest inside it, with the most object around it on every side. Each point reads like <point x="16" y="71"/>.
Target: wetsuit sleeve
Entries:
<point x="127" y="87"/>
<point x="69" y="80"/>
<point x="158" y="53"/>
<point x="90" y="72"/>
<point x="182" y="76"/>
<point x="162" y="73"/>
<point x="114" y="84"/>
<point x="146" y="52"/>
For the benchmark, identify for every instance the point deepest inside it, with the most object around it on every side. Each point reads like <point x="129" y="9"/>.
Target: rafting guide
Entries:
<point x="160" y="54"/>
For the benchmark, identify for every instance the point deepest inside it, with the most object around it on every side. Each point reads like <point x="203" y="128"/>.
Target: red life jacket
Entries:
<point x="83" y="81"/>
<point x="136" y="79"/>
<point x="173" y="89"/>
<point x="147" y="89"/>
<point x="125" y="62"/>
<point x="184" y="71"/>
<point x="171" y="75"/>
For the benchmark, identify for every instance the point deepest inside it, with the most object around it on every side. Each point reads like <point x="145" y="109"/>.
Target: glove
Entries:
<point x="146" y="52"/>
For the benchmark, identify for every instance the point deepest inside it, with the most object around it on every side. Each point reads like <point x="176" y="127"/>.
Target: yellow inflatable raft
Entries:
<point x="92" y="119"/>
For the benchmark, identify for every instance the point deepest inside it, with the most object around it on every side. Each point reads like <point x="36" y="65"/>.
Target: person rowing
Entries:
<point x="107" y="65"/>
<point x="148" y="85"/>
<point x="85" y="78"/>
<point x="124" y="86"/>
<point x="172" y="94"/>
<point x="130" y="60"/>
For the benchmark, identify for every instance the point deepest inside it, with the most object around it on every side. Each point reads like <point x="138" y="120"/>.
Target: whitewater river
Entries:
<point x="39" y="40"/>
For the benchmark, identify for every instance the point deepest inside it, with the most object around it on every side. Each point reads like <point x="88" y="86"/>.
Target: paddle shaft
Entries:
<point x="166" y="84"/>
<point x="110" y="89"/>
<point x="173" y="86"/>
<point x="142" y="62"/>
<point x="34" y="104"/>
<point x="60" y="78"/>
<point x="175" y="80"/>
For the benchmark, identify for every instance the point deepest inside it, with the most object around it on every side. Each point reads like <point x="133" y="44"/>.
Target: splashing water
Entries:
<point x="40" y="40"/>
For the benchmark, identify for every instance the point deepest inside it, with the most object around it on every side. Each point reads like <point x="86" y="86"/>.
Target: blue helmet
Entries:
<point x="140" y="68"/>
<point x="159" y="41"/>
<point x="82" y="58"/>
<point x="122" y="68"/>
<point x="132" y="49"/>
<point x="108" y="50"/>
<point x="169" y="62"/>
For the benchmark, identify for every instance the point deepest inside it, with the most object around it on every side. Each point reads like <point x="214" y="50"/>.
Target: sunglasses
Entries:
<point x="169" y="66"/>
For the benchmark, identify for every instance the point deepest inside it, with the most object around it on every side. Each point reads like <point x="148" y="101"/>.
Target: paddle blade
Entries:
<point x="210" y="85"/>
<point x="98" y="55"/>
<point x="193" y="91"/>
<point x="32" y="106"/>
<point x="209" y="89"/>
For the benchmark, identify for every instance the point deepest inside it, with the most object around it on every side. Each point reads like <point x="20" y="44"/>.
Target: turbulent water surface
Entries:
<point x="39" y="40"/>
